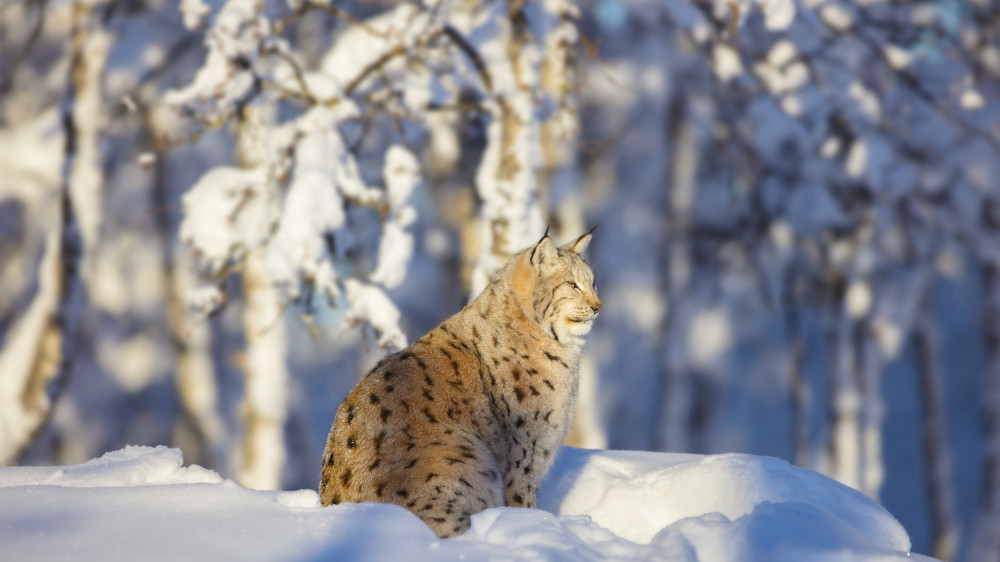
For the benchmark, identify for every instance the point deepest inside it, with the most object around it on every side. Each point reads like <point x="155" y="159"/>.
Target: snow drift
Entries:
<point x="141" y="503"/>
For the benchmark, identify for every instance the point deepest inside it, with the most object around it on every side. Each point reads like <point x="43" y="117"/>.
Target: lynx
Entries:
<point x="470" y="416"/>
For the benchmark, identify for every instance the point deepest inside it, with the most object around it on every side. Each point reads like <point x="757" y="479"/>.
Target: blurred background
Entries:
<point x="216" y="216"/>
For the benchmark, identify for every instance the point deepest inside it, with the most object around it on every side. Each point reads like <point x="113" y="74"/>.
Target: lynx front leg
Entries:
<point x="521" y="479"/>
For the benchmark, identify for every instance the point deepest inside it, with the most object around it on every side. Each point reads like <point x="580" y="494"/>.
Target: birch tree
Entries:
<point x="39" y="358"/>
<point x="282" y="217"/>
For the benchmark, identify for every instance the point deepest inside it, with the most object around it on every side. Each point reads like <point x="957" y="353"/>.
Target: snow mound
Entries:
<point x="141" y="503"/>
<point x="638" y="494"/>
<point x="131" y="466"/>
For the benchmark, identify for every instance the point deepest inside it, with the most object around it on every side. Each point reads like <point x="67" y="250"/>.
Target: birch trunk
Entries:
<point x="265" y="407"/>
<point x="36" y="359"/>
<point x="856" y="404"/>
<point x="845" y="402"/>
<point x="872" y="468"/>
<point x="506" y="180"/>
<point x="559" y="182"/>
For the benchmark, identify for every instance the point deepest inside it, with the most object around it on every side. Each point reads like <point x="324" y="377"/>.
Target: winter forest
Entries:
<point x="216" y="215"/>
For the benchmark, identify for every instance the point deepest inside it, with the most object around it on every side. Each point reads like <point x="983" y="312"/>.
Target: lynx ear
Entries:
<point x="580" y="244"/>
<point x="544" y="253"/>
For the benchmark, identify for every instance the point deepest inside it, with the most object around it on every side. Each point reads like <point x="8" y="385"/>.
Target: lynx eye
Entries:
<point x="577" y="287"/>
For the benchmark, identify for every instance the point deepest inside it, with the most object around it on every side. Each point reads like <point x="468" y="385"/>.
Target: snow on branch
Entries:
<point x="228" y="212"/>
<point x="369" y="305"/>
<point x="298" y="179"/>
<point x="402" y="174"/>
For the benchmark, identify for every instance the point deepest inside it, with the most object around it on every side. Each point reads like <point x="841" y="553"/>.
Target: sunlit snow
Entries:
<point x="141" y="503"/>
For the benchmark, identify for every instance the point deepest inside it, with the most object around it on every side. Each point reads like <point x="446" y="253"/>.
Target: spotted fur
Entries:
<point x="471" y="415"/>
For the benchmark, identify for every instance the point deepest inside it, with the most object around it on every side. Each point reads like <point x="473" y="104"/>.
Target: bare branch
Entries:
<point x="335" y="12"/>
<point x="373" y="67"/>
<point x="463" y="44"/>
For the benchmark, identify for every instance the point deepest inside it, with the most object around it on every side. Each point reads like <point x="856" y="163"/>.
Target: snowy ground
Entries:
<point x="141" y="503"/>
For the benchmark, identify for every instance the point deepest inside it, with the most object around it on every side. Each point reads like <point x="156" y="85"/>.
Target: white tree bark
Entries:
<point x="871" y="365"/>
<point x="507" y="178"/>
<point x="845" y="405"/>
<point x="36" y="360"/>
<point x="32" y="359"/>
<point x="265" y="406"/>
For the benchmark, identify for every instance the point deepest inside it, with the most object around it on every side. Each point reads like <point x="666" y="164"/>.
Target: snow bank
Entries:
<point x="141" y="503"/>
<point x="723" y="506"/>
<point x="131" y="466"/>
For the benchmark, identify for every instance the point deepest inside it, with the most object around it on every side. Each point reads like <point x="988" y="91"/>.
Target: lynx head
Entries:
<point x="564" y="298"/>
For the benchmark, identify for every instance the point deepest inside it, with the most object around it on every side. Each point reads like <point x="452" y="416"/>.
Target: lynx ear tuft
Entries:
<point x="544" y="253"/>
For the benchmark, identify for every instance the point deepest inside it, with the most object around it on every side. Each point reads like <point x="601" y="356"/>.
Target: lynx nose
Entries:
<point x="596" y="307"/>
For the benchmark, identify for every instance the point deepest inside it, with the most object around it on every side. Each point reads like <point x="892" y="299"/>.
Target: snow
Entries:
<point x="778" y="14"/>
<point x="402" y="175"/>
<point x="238" y="34"/>
<point x="844" y="79"/>
<point x="360" y="46"/>
<point x="371" y="306"/>
<point x="226" y="214"/>
<point x="726" y="62"/>
<point x="142" y="503"/>
<point x="971" y="99"/>
<point x="193" y="13"/>
<point x="858" y="300"/>
<point x="837" y="17"/>
<point x="131" y="466"/>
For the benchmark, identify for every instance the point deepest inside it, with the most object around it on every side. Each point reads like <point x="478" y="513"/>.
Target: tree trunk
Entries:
<point x="36" y="360"/>
<point x="265" y="404"/>
<point x="506" y="180"/>
<point x="265" y="407"/>
<point x="937" y="457"/>
<point x="674" y="407"/>
<point x="845" y="400"/>
<point x="985" y="544"/>
<point x="798" y="385"/>
<point x="870" y="365"/>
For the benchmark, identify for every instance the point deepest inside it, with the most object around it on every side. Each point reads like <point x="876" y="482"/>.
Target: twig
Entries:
<point x="460" y="41"/>
<point x="299" y="76"/>
<point x="339" y="14"/>
<point x="374" y="66"/>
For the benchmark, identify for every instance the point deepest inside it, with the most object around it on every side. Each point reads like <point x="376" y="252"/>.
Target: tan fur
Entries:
<point x="471" y="415"/>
